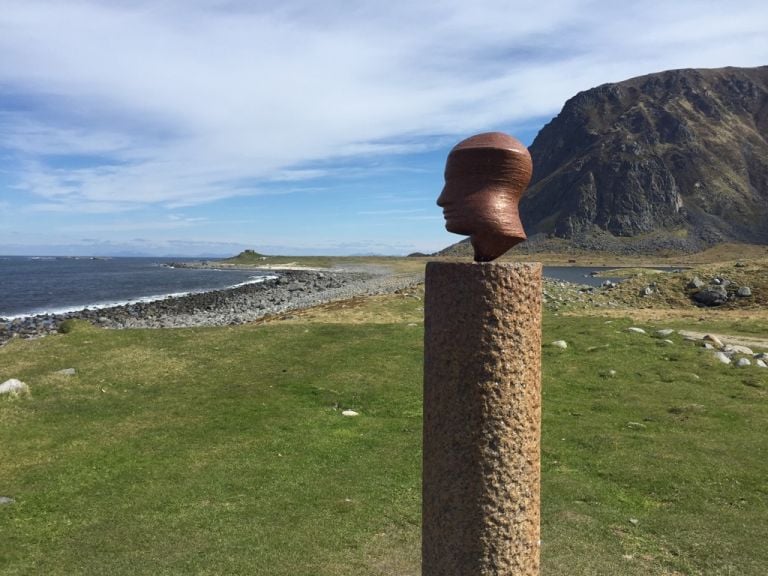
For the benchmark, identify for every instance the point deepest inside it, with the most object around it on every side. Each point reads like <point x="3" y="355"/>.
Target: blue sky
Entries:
<point x="203" y="127"/>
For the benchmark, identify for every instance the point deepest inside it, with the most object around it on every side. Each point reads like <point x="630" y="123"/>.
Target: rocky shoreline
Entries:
<point x="290" y="290"/>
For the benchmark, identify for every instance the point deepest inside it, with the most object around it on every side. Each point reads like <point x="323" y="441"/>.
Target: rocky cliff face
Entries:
<point x="681" y="155"/>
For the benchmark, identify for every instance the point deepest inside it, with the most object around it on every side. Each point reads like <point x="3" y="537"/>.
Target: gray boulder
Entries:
<point x="695" y="283"/>
<point x="13" y="387"/>
<point x="737" y="349"/>
<point x="711" y="296"/>
<point x="744" y="292"/>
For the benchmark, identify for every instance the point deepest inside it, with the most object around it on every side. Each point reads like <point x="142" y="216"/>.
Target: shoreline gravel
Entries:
<point x="293" y="289"/>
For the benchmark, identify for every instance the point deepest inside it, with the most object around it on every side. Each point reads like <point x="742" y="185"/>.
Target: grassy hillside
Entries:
<point x="225" y="451"/>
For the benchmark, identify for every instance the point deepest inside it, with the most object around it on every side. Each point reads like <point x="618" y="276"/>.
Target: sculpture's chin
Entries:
<point x="490" y="246"/>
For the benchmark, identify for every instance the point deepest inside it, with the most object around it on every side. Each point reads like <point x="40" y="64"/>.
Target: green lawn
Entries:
<point x="224" y="451"/>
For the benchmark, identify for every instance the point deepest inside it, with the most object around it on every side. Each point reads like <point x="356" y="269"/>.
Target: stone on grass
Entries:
<point x="6" y="500"/>
<point x="13" y="387"/>
<point x="667" y="341"/>
<point x="560" y="344"/>
<point x="664" y="332"/>
<point x="695" y="283"/>
<point x="722" y="357"/>
<point x="636" y="330"/>
<point x="716" y="342"/>
<point x="743" y="362"/>
<point x="761" y="363"/>
<point x="737" y="349"/>
<point x="67" y="372"/>
<point x="349" y="413"/>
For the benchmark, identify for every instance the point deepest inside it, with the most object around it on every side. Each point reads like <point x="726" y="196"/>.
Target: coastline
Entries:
<point x="289" y="289"/>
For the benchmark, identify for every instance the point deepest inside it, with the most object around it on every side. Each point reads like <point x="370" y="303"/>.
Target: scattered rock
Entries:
<point x="744" y="291"/>
<point x="667" y="341"/>
<point x="743" y="362"/>
<point x="635" y="425"/>
<point x="761" y="363"/>
<point x="560" y="344"/>
<point x="349" y="413"/>
<point x="67" y="372"/>
<point x="722" y="357"/>
<point x="634" y="521"/>
<point x="5" y="500"/>
<point x="664" y="333"/>
<point x="636" y="330"/>
<point x="647" y="291"/>
<point x="13" y="387"/>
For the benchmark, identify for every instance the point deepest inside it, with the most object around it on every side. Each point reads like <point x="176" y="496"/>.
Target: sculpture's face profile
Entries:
<point x="485" y="175"/>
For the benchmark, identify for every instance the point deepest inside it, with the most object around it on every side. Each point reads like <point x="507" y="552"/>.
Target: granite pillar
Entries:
<point x="482" y="419"/>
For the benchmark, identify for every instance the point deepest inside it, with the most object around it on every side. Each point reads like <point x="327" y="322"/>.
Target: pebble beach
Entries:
<point x="291" y="289"/>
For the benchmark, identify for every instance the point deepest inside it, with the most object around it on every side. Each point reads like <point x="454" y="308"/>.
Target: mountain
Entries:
<point x="680" y="155"/>
<point x="674" y="160"/>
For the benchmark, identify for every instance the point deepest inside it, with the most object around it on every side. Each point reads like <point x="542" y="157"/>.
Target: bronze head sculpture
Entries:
<point x="485" y="175"/>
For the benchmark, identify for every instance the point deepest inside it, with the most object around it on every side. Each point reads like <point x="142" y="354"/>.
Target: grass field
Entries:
<point x="225" y="451"/>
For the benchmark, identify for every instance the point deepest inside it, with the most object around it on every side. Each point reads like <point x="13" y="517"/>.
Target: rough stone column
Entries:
<point x="482" y="419"/>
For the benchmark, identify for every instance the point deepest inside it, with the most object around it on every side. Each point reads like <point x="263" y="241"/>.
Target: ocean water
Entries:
<point x="35" y="285"/>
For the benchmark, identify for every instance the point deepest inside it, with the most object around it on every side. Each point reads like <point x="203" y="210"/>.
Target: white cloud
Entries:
<point x="183" y="103"/>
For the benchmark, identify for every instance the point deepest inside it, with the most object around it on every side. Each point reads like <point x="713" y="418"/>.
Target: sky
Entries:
<point x="205" y="127"/>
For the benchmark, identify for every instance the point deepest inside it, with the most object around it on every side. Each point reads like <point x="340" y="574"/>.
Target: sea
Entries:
<point x="31" y="285"/>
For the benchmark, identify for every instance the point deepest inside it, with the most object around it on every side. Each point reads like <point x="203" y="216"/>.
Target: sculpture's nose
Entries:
<point x="441" y="199"/>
